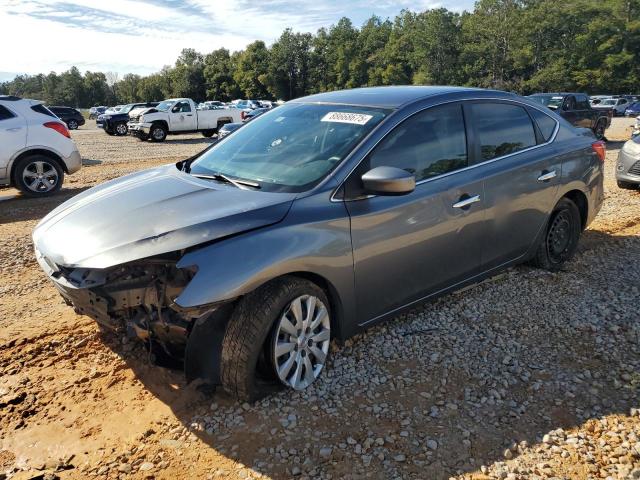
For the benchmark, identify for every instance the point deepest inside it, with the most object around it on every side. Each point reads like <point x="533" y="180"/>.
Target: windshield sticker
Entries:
<point x="346" y="117"/>
<point x="557" y="98"/>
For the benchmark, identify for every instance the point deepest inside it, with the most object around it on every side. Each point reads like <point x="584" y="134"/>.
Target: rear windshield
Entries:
<point x="40" y="108"/>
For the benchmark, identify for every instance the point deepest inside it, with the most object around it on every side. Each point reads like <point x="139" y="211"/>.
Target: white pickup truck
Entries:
<point x="179" y="115"/>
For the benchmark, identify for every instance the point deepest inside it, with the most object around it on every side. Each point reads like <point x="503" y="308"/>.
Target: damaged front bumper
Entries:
<point x="137" y="297"/>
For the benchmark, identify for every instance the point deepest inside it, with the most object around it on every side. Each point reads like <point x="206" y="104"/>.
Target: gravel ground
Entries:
<point x="529" y="375"/>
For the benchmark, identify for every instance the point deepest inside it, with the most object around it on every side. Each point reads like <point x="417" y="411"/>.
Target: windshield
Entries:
<point x="165" y="106"/>
<point x="127" y="108"/>
<point x="291" y="148"/>
<point x="551" y="101"/>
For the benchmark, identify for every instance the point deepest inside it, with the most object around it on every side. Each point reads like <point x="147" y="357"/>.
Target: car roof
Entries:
<point x="388" y="97"/>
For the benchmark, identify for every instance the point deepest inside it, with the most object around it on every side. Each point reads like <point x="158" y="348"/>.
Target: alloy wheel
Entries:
<point x="301" y="342"/>
<point x="157" y="133"/>
<point x="121" y="129"/>
<point x="40" y="176"/>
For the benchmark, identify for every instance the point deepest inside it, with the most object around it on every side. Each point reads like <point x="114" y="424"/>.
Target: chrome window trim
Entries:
<point x="453" y="172"/>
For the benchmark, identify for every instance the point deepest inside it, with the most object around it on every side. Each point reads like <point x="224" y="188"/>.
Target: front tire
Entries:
<point x="38" y="176"/>
<point x="157" y="133"/>
<point x="278" y="334"/>
<point x="121" y="129"/>
<point x="561" y="237"/>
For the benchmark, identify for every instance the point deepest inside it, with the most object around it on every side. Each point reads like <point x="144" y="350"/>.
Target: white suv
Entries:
<point x="37" y="149"/>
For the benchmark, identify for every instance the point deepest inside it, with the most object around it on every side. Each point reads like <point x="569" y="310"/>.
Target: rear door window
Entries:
<point x="582" y="102"/>
<point x="502" y="129"/>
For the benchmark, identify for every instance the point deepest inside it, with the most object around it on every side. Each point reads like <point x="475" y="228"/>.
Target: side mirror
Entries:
<point x="388" y="181"/>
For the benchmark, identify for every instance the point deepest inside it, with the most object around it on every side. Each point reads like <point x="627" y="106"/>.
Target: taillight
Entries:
<point x="600" y="148"/>
<point x="58" y="127"/>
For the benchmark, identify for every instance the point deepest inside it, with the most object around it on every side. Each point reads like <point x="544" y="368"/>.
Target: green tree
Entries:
<point x="218" y="76"/>
<point x="289" y="65"/>
<point x="251" y="70"/>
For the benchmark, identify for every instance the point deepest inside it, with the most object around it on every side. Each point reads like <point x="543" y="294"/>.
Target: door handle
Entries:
<point x="14" y="129"/>
<point x="546" y="176"/>
<point x="467" y="201"/>
<point x="189" y="115"/>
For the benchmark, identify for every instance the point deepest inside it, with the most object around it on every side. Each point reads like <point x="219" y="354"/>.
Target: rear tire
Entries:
<point x="599" y="130"/>
<point x="208" y="133"/>
<point x="72" y="124"/>
<point x="561" y="237"/>
<point x="157" y="133"/>
<point x="38" y="175"/>
<point x="627" y="185"/>
<point x="247" y="369"/>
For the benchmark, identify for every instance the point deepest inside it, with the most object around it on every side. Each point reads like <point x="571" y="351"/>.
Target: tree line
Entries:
<point x="517" y="45"/>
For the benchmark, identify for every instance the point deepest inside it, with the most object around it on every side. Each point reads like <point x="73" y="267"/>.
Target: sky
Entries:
<point x="141" y="36"/>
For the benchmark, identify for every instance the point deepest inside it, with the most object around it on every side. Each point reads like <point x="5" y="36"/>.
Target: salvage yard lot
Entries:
<point x="531" y="374"/>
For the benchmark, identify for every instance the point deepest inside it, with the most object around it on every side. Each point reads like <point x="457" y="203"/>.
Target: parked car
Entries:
<point x="633" y="110"/>
<point x="628" y="164"/>
<point x="37" y="149"/>
<point x="179" y="115"/>
<point x="246" y="104"/>
<point x="94" y="112"/>
<point x="319" y="219"/>
<point x="250" y="115"/>
<point x="617" y="105"/>
<point x="228" y="128"/>
<point x="116" y="123"/>
<point x="72" y="117"/>
<point x="115" y="109"/>
<point x="577" y="110"/>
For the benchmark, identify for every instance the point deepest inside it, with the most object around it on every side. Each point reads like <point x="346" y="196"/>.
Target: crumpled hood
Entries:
<point x="149" y="213"/>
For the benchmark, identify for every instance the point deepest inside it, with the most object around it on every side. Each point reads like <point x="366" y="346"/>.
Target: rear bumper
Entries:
<point x="73" y="162"/>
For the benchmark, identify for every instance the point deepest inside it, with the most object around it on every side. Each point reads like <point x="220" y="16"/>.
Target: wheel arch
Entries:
<point x="164" y="124"/>
<point x="335" y="302"/>
<point x="580" y="199"/>
<point x="36" y="151"/>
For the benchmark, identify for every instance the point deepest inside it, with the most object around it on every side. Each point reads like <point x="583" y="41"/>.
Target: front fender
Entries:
<point x="314" y="239"/>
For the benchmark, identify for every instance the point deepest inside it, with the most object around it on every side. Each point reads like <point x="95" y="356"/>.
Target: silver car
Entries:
<point x="318" y="219"/>
<point x="628" y="164"/>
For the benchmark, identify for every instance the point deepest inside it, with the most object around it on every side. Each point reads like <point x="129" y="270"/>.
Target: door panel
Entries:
<point x="406" y="247"/>
<point x="518" y="203"/>
<point x="184" y="119"/>
<point x="521" y="179"/>
<point x="13" y="137"/>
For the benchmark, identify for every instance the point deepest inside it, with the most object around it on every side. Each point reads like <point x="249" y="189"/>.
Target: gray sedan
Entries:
<point x="628" y="164"/>
<point x="318" y="219"/>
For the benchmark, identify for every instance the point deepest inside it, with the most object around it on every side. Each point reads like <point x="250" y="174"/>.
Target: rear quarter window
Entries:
<point x="40" y="108"/>
<point x="546" y="124"/>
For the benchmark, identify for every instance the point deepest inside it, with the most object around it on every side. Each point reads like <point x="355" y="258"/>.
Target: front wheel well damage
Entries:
<point x="204" y="346"/>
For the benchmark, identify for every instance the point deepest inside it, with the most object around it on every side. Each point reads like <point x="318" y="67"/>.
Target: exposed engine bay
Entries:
<point x="136" y="297"/>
